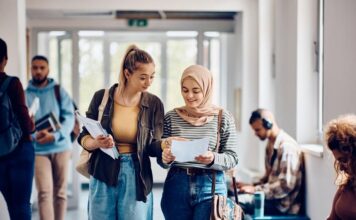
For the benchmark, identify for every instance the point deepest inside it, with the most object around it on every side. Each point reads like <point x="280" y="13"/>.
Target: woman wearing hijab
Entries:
<point x="187" y="188"/>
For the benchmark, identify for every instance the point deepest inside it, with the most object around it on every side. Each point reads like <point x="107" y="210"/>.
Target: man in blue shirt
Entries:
<point x="52" y="145"/>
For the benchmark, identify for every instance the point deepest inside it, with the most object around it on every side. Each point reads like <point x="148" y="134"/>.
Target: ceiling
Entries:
<point x="131" y="14"/>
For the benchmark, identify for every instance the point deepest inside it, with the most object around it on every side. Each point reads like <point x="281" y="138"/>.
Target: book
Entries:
<point x="49" y="121"/>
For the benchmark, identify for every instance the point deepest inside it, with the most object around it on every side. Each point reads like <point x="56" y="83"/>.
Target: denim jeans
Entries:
<point x="16" y="175"/>
<point x="189" y="196"/>
<point x="119" y="202"/>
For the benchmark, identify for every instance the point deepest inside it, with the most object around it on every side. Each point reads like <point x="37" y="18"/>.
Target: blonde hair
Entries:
<point x="340" y="134"/>
<point x="133" y="57"/>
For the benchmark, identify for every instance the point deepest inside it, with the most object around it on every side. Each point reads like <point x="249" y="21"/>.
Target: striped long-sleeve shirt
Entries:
<point x="175" y="126"/>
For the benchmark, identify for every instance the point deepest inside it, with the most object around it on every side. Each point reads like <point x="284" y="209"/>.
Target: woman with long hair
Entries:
<point x="133" y="118"/>
<point x="340" y="137"/>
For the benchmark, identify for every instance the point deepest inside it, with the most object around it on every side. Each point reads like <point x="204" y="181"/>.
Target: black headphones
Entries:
<point x="266" y="123"/>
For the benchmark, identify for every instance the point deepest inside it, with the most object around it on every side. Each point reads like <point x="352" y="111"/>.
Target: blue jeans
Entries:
<point x="119" y="202"/>
<point x="16" y="175"/>
<point x="189" y="196"/>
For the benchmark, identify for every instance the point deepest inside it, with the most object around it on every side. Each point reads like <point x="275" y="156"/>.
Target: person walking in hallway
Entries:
<point x="17" y="165"/>
<point x="133" y="118"/>
<point x="52" y="146"/>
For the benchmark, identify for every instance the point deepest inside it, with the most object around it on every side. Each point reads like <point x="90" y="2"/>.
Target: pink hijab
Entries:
<point x="205" y="112"/>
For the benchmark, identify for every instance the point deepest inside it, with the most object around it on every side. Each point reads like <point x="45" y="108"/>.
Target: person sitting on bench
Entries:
<point x="283" y="181"/>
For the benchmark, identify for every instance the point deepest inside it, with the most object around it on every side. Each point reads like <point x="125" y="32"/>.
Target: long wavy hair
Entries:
<point x="340" y="134"/>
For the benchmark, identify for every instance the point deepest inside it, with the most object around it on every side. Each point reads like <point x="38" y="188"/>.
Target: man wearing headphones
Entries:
<point x="283" y="181"/>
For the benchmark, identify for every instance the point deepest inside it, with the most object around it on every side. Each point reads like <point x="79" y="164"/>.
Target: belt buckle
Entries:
<point x="189" y="172"/>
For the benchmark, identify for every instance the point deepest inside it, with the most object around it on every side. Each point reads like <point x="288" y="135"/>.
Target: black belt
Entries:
<point x="192" y="171"/>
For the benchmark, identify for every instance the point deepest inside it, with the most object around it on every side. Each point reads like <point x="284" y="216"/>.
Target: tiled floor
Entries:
<point x="81" y="213"/>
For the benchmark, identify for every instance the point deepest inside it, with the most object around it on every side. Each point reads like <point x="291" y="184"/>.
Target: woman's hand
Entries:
<point x="104" y="141"/>
<point x="206" y="158"/>
<point x="167" y="142"/>
<point x="167" y="156"/>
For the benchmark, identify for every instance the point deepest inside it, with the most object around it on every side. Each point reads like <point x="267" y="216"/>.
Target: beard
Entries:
<point x="39" y="81"/>
<point x="262" y="138"/>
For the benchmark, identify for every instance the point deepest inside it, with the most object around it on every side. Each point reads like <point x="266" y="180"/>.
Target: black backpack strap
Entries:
<point x="5" y="84"/>
<point x="57" y="93"/>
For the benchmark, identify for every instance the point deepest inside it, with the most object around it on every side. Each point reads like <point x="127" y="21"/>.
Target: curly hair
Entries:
<point x="340" y="134"/>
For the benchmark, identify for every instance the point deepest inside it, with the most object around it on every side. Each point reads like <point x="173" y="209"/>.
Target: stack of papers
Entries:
<point x="186" y="151"/>
<point x="95" y="129"/>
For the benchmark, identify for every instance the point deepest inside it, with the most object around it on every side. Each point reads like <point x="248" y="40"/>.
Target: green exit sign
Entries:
<point x="137" y="22"/>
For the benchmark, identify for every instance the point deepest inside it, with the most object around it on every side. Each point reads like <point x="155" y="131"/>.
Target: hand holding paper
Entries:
<point x="206" y="158"/>
<point x="187" y="151"/>
<point x="99" y="133"/>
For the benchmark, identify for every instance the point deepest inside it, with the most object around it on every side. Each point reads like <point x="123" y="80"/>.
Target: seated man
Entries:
<point x="283" y="182"/>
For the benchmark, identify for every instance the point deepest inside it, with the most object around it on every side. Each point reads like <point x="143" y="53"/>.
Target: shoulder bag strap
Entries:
<point x="103" y="104"/>
<point x="216" y="150"/>
<point x="57" y="93"/>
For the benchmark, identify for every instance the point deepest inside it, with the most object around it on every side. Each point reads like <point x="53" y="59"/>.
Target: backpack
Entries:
<point x="76" y="130"/>
<point x="10" y="129"/>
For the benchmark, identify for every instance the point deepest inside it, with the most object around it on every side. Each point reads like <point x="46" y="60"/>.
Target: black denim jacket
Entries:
<point x="150" y="129"/>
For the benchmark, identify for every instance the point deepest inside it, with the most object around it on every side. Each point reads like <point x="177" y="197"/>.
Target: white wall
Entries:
<point x="13" y="32"/>
<point x="266" y="71"/>
<point x="340" y="57"/>
<point x="247" y="37"/>
<point x="286" y="65"/>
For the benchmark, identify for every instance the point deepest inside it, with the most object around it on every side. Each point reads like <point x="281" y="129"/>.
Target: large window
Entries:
<point x="57" y="46"/>
<point x="86" y="61"/>
<point x="91" y="72"/>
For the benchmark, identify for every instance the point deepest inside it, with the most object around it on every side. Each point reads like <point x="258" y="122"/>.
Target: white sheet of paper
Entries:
<point x="186" y="151"/>
<point x="34" y="106"/>
<point x="95" y="129"/>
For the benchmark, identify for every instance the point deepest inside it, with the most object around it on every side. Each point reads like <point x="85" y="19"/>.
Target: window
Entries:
<point x="100" y="53"/>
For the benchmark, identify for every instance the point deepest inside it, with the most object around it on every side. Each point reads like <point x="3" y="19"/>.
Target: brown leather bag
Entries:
<point x="222" y="207"/>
